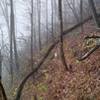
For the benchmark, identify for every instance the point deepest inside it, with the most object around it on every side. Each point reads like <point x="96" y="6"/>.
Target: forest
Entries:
<point x="49" y="49"/>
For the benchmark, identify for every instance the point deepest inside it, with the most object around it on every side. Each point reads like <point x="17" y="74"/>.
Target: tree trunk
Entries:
<point x="47" y="21"/>
<point x="61" y="35"/>
<point x="35" y="41"/>
<point x="94" y="13"/>
<point x="81" y="14"/>
<point x="0" y="65"/>
<point x="14" y="39"/>
<point x="52" y="18"/>
<point x="2" y="92"/>
<point x="11" y="43"/>
<point x="73" y="10"/>
<point x="32" y="34"/>
<point x="39" y="22"/>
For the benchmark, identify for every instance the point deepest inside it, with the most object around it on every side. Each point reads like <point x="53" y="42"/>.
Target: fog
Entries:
<point x="22" y="25"/>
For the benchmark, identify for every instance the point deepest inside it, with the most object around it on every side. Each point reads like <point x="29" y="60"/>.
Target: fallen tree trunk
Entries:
<point x="18" y="95"/>
<point x="88" y="53"/>
<point x="77" y="25"/>
<point x="33" y="72"/>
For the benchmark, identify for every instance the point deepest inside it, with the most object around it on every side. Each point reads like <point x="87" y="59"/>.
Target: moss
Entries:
<point x="42" y="87"/>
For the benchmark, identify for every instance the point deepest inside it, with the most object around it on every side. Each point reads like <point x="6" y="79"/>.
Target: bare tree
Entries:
<point x="72" y="7"/>
<point x="55" y="15"/>
<point x="39" y="22"/>
<point x="32" y="31"/>
<point x="13" y="40"/>
<point x="47" y="20"/>
<point x="94" y="13"/>
<point x="81" y="14"/>
<point x="34" y="22"/>
<point x="61" y="35"/>
<point x="4" y="7"/>
<point x="2" y="92"/>
<point x="52" y="18"/>
<point x="0" y="65"/>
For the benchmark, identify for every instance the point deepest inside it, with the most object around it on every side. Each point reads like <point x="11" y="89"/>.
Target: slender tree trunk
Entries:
<point x="61" y="34"/>
<point x="0" y="66"/>
<point x="55" y="17"/>
<point x="39" y="22"/>
<point x="35" y="41"/>
<point x="65" y="14"/>
<point x="16" y="53"/>
<point x="14" y="41"/>
<point x="14" y="37"/>
<point x="81" y="14"/>
<point x="11" y="42"/>
<point x="2" y="92"/>
<point x="52" y="18"/>
<point x="32" y="34"/>
<point x="7" y="18"/>
<point x="73" y="10"/>
<point x="47" y="21"/>
<point x="94" y="13"/>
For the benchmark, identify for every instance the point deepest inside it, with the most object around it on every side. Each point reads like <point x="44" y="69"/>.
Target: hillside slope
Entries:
<point x="53" y="82"/>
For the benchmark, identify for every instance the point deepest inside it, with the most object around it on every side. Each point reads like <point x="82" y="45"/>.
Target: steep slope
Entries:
<point x="54" y="83"/>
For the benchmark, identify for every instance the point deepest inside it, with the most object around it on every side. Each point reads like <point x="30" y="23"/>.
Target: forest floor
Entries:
<point x="53" y="82"/>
